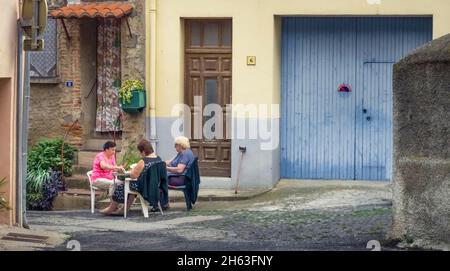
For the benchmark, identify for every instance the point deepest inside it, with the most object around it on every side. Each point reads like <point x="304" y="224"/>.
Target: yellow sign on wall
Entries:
<point x="251" y="60"/>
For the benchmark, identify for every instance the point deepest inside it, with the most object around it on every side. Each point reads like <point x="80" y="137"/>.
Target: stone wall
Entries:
<point x="53" y="106"/>
<point x="422" y="147"/>
<point x="133" y="67"/>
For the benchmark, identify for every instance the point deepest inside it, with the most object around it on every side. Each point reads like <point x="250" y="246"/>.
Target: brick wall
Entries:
<point x="54" y="107"/>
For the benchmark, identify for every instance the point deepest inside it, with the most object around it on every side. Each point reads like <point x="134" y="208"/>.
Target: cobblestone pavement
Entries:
<point x="314" y="215"/>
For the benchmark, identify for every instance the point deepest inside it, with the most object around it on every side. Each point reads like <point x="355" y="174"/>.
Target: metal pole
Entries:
<point x="242" y="150"/>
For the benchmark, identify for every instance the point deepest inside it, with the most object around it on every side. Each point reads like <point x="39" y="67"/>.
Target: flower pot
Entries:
<point x="137" y="103"/>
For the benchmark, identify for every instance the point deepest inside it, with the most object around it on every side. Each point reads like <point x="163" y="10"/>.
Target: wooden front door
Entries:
<point x="208" y="81"/>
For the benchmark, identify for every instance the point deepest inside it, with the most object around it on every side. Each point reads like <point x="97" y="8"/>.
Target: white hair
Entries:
<point x="183" y="142"/>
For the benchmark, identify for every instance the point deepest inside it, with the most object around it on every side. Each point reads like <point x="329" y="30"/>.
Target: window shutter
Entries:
<point x="43" y="64"/>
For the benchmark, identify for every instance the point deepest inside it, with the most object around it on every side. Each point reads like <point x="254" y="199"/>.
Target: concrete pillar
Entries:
<point x="421" y="201"/>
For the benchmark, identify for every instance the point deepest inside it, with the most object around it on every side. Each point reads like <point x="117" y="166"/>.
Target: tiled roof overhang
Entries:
<point x="93" y="10"/>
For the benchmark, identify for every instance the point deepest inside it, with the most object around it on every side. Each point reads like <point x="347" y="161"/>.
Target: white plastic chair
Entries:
<point x="93" y="189"/>
<point x="144" y="204"/>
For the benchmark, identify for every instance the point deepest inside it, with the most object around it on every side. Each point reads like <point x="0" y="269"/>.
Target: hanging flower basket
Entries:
<point x="132" y="97"/>
<point x="136" y="104"/>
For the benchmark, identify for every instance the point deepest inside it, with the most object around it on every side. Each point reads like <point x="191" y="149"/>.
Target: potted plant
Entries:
<point x="44" y="176"/>
<point x="132" y="96"/>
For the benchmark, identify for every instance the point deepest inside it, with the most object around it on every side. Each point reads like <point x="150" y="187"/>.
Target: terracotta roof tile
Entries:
<point x="94" y="10"/>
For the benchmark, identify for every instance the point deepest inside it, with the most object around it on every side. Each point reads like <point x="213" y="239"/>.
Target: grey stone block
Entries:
<point x="422" y="146"/>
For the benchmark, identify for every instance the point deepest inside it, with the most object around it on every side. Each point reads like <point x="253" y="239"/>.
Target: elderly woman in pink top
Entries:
<point x="103" y="167"/>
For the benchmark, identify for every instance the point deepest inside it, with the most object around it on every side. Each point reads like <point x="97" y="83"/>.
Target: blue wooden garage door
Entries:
<point x="327" y="134"/>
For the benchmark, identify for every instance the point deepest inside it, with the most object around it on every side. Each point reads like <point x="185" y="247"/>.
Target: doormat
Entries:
<point x="25" y="238"/>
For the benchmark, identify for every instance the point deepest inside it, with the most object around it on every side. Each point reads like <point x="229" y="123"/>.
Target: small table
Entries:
<point x="122" y="176"/>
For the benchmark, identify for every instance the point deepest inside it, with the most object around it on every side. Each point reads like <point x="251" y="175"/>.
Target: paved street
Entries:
<point x="306" y="215"/>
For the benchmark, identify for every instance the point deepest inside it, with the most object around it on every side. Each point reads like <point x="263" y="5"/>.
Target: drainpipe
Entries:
<point x="23" y="96"/>
<point x="19" y="106"/>
<point x="25" y="134"/>
<point x="150" y="20"/>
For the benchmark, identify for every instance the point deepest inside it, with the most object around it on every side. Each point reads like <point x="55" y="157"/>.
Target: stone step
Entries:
<point x="80" y="170"/>
<point x="77" y="199"/>
<point x="86" y="158"/>
<point x="81" y="192"/>
<point x="77" y="181"/>
<point x="95" y="144"/>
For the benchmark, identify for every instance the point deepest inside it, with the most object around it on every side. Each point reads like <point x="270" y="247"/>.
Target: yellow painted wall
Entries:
<point x="255" y="33"/>
<point x="8" y="78"/>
